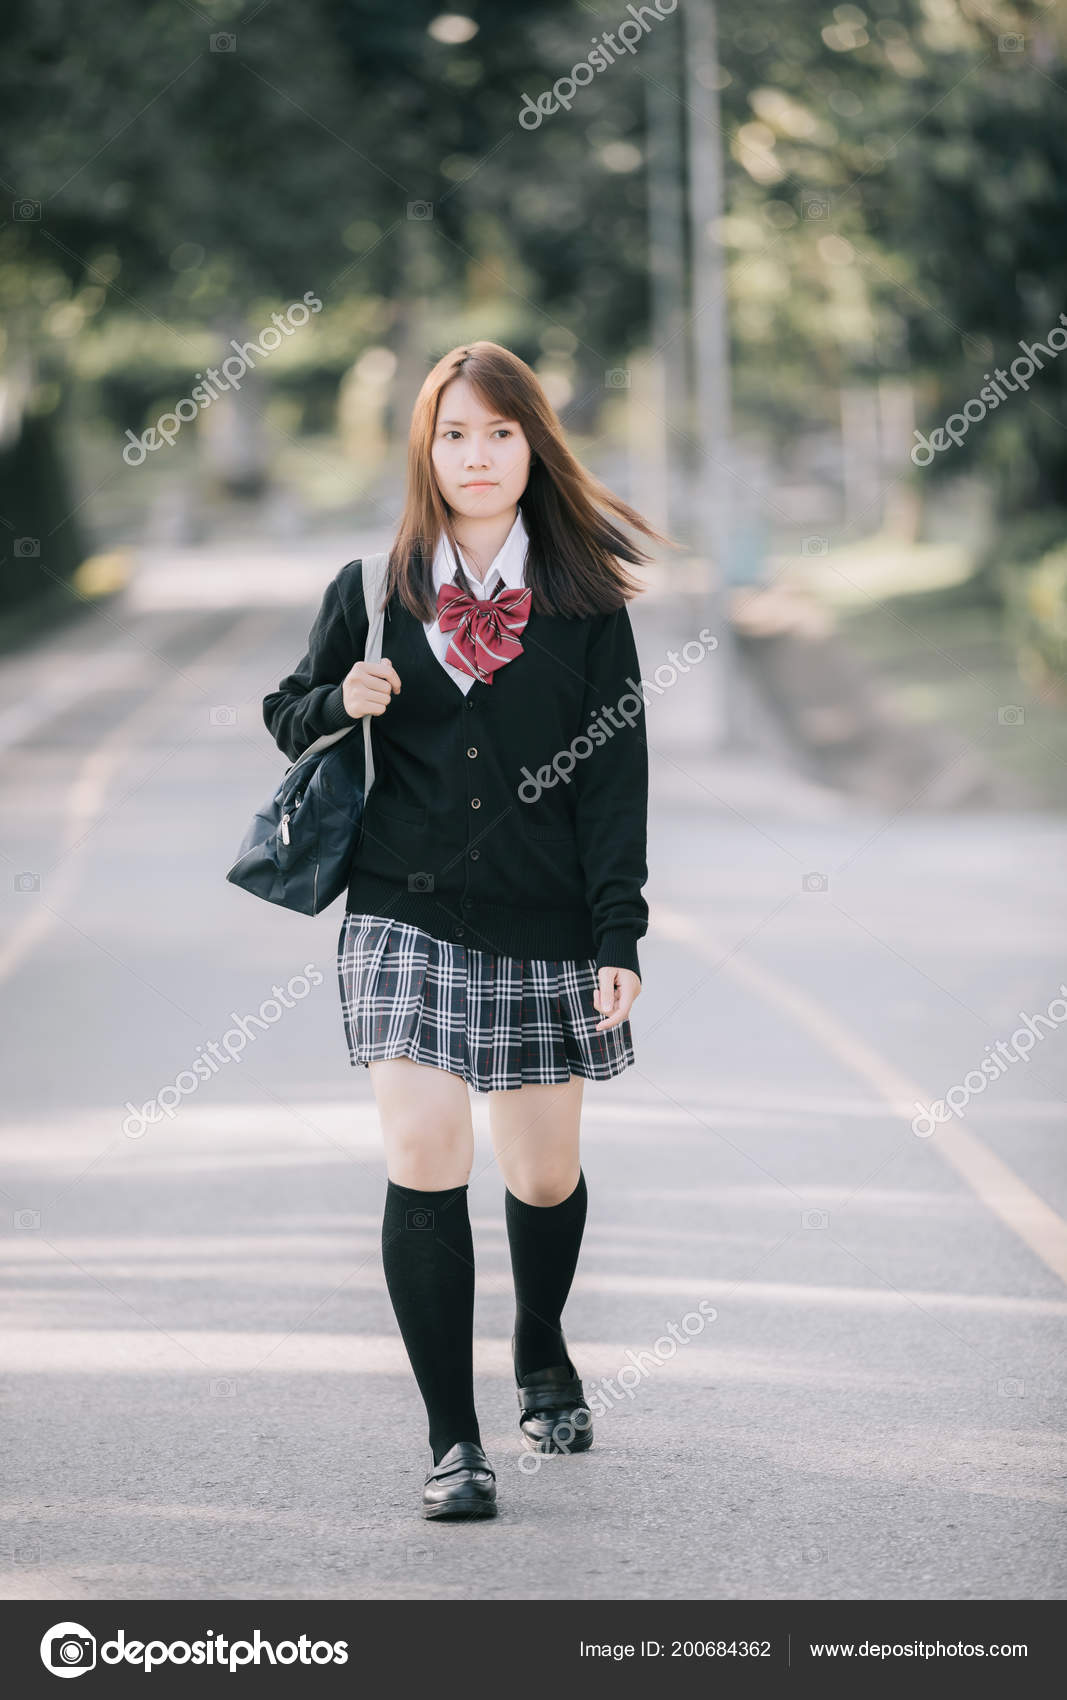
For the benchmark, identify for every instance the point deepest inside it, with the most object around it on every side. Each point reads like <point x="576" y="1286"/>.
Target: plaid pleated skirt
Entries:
<point x="500" y="1022"/>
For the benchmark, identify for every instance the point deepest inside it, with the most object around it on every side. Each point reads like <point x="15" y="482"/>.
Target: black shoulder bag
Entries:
<point x="298" y="849"/>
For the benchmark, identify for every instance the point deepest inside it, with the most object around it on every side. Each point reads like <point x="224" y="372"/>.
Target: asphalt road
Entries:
<point x="206" y="1393"/>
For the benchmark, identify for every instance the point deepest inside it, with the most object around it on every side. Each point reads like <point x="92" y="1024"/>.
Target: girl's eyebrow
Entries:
<point x="463" y="422"/>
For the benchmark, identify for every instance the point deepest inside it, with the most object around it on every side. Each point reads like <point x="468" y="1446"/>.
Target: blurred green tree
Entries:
<point x="895" y="196"/>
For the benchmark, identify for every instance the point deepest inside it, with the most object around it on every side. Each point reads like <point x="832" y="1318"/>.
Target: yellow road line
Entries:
<point x="997" y="1185"/>
<point x="87" y="797"/>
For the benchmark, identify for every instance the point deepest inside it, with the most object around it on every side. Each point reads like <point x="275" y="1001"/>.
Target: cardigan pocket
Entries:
<point x="551" y="864"/>
<point x="555" y="833"/>
<point x="390" y="838"/>
<point x="408" y="814"/>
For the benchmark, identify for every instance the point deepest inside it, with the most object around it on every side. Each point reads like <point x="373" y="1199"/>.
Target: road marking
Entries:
<point x="247" y="1354"/>
<point x="109" y="669"/>
<point x="997" y="1185"/>
<point x="86" y="797"/>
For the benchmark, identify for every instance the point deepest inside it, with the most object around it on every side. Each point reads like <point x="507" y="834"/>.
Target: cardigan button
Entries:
<point x="472" y="752"/>
<point x="474" y="854"/>
<point x="468" y="903"/>
<point x="458" y="932"/>
<point x="476" y="802"/>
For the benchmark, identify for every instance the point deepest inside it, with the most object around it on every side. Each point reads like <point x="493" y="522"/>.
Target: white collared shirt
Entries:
<point x="508" y="564"/>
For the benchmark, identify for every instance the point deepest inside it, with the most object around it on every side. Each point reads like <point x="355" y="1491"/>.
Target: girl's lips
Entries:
<point x="479" y="484"/>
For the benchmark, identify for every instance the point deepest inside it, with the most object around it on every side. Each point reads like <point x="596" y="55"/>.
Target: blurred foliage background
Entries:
<point x="892" y="227"/>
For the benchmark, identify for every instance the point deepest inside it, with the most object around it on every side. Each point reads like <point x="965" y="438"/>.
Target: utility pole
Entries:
<point x="711" y="522"/>
<point x="667" y="279"/>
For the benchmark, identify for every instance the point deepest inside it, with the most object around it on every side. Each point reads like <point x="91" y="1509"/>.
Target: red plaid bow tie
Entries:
<point x="486" y="632"/>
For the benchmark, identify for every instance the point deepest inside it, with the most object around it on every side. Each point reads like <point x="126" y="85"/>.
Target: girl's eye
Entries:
<point x="501" y="431"/>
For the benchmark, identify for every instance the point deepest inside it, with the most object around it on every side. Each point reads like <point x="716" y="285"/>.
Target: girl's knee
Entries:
<point x="428" y="1158"/>
<point x="543" y="1186"/>
<point x="426" y="1125"/>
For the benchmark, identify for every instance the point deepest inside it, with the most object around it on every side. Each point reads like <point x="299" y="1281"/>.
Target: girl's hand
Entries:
<point x="368" y="687"/>
<point x="615" y="994"/>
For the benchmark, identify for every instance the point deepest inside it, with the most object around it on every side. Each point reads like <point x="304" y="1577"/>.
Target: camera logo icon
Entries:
<point x="68" y="1649"/>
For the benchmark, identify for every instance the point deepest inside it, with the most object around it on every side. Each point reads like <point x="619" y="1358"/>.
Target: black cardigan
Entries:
<point x="483" y="825"/>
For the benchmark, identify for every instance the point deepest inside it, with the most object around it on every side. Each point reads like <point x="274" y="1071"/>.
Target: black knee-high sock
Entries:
<point x="428" y="1258"/>
<point x="545" y="1240"/>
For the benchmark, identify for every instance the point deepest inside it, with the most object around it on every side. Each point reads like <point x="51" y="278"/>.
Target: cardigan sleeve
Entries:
<point x="611" y="811"/>
<point x="309" y="701"/>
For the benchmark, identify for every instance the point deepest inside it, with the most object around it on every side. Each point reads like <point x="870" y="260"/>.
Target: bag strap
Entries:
<point x="375" y="571"/>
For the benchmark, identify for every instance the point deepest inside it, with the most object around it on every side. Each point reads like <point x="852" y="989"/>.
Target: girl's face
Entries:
<point x="482" y="463"/>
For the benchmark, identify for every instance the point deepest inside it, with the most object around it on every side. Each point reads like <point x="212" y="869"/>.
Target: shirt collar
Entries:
<point x="509" y="562"/>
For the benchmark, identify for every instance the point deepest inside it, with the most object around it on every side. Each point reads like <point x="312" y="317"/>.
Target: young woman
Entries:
<point x="490" y="936"/>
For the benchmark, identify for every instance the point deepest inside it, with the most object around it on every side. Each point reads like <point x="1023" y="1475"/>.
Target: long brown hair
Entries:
<point x="572" y="564"/>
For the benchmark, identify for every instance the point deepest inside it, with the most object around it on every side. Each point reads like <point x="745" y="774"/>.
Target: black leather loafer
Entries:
<point x="553" y="1414"/>
<point x="461" y="1485"/>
